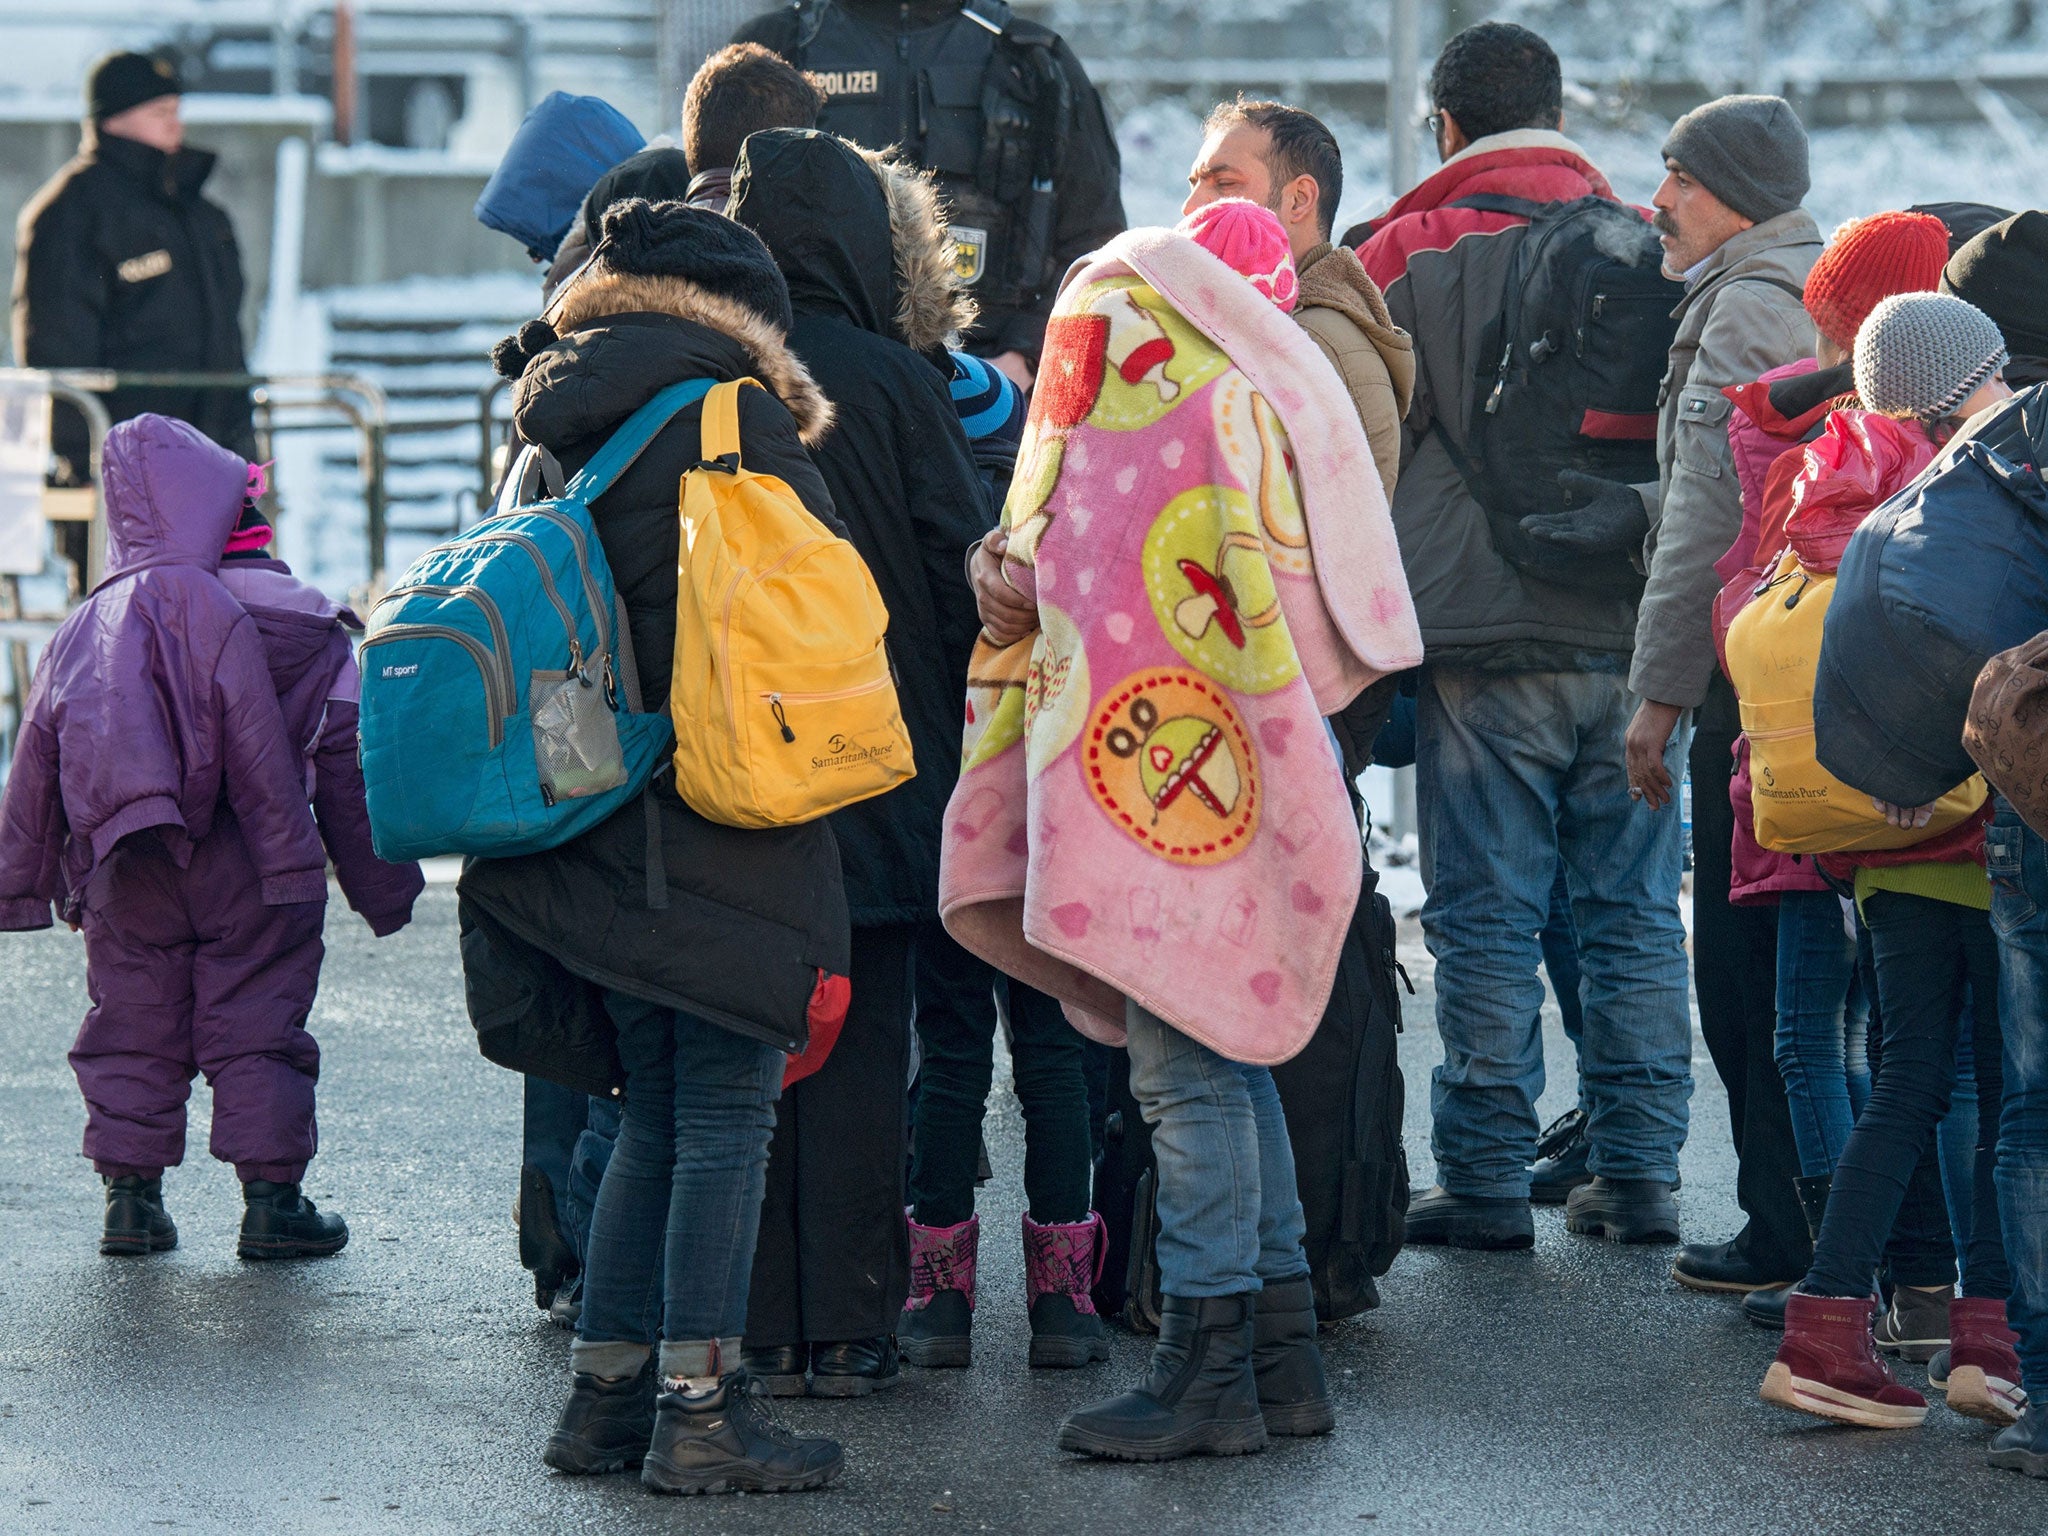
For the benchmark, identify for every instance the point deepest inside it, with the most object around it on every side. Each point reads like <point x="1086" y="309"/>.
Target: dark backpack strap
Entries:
<point x="1778" y="283"/>
<point x="1500" y="202"/>
<point x="629" y="680"/>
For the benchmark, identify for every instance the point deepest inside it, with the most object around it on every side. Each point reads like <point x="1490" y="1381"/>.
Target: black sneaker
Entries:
<point x="1561" y="1154"/>
<point x="280" y="1223"/>
<point x="1623" y="1210"/>
<point x="137" y="1222"/>
<point x="1463" y="1221"/>
<point x="605" y="1425"/>
<point x="727" y="1440"/>
<point x="778" y="1370"/>
<point x="855" y="1368"/>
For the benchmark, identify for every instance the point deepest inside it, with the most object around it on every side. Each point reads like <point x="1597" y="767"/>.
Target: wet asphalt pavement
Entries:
<point x="407" y="1385"/>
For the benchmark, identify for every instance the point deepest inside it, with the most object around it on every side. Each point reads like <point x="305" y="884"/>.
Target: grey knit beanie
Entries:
<point x="1921" y="355"/>
<point x="1749" y="151"/>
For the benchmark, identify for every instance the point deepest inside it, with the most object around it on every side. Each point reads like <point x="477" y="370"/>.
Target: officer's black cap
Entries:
<point x="123" y="80"/>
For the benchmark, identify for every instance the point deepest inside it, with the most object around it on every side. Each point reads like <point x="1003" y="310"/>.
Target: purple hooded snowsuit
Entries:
<point x="158" y="797"/>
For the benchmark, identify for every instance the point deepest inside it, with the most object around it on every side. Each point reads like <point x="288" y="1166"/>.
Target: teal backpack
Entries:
<point x="492" y="716"/>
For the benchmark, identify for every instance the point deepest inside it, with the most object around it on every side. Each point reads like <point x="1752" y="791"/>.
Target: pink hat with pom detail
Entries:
<point x="1249" y="239"/>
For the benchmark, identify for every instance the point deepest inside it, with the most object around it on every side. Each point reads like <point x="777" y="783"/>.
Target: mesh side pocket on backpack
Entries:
<point x="575" y="736"/>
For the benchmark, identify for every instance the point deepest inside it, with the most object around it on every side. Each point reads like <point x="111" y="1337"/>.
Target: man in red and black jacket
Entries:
<point x="1522" y="710"/>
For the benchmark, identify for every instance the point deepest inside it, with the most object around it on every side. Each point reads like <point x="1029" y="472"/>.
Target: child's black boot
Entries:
<point x="137" y="1222"/>
<point x="280" y="1223"/>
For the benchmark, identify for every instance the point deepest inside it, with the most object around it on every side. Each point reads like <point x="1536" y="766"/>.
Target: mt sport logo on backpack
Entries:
<point x="492" y="721"/>
<point x="784" y="703"/>
<point x="1773" y="657"/>
<point x="1569" y="375"/>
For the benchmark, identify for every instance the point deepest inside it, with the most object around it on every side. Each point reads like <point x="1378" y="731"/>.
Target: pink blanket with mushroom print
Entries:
<point x="1149" y="804"/>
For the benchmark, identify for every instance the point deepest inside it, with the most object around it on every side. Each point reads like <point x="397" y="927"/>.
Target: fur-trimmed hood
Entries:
<point x="931" y="306"/>
<point x="855" y="233"/>
<point x="599" y="295"/>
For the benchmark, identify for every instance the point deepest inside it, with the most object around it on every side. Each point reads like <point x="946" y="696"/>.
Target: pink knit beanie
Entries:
<point x="1250" y="240"/>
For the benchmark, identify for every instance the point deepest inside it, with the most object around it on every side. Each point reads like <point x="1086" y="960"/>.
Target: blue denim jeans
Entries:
<point x="1823" y="1026"/>
<point x="2018" y="860"/>
<point x="672" y="1241"/>
<point x="1229" y="1213"/>
<point x="1513" y="772"/>
<point x="1560" y="944"/>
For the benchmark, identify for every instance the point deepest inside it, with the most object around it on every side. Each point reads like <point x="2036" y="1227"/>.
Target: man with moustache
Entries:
<point x="1729" y="216"/>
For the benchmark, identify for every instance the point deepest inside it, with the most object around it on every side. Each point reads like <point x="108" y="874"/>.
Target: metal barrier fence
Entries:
<point x="359" y="400"/>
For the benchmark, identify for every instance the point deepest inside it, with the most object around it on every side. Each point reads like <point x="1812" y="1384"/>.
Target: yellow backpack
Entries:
<point x="1773" y="653"/>
<point x="784" y="706"/>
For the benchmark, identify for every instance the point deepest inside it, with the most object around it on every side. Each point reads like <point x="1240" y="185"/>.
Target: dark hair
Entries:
<point x="1496" y="77"/>
<point x="1299" y="145"/>
<point x="740" y="90"/>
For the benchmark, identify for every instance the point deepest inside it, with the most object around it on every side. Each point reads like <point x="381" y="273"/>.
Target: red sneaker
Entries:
<point x="1983" y="1367"/>
<point x="1828" y="1366"/>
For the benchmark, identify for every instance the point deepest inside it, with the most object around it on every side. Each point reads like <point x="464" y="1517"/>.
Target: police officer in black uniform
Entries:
<point x="123" y="263"/>
<point x="1001" y="109"/>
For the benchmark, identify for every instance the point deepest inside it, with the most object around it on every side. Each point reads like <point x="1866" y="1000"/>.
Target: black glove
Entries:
<point x="1606" y="517"/>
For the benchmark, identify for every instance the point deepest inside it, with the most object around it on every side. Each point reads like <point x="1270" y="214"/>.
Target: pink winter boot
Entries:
<point x="1061" y="1265"/>
<point x="937" y="1327"/>
<point x="1983" y="1366"/>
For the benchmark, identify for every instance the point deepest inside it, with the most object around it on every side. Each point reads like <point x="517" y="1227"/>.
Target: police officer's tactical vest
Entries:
<point x="978" y="98"/>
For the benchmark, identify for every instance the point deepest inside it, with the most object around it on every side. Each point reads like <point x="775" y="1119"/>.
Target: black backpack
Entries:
<point x="1568" y="375"/>
<point x="1344" y="1100"/>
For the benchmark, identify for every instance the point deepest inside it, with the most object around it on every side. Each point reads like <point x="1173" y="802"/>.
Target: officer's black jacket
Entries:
<point x="123" y="263"/>
<point x="914" y="44"/>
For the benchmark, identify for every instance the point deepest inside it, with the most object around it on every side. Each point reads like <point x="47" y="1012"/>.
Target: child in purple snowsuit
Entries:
<point x="160" y="798"/>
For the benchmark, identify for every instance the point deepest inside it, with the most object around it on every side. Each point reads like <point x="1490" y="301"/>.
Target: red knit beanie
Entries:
<point x="1867" y="262"/>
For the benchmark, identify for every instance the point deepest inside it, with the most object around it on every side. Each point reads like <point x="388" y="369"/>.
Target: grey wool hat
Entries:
<point x="1749" y="151"/>
<point x="1921" y="355"/>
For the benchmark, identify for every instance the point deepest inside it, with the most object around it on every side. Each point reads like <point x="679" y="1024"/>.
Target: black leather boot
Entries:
<point x="1294" y="1398"/>
<point x="544" y="1248"/>
<point x="855" y="1368"/>
<point x="726" y="1441"/>
<point x="605" y="1425"/>
<point x="1562" y="1152"/>
<point x="1199" y="1398"/>
<point x="280" y="1223"/>
<point x="778" y="1369"/>
<point x="137" y="1222"/>
<point x="1813" y="1201"/>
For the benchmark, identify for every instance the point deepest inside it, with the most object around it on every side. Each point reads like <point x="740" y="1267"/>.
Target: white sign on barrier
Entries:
<point x="24" y="458"/>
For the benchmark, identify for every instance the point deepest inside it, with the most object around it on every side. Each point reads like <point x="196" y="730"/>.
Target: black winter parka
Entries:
<point x="897" y="463"/>
<point x="753" y="915"/>
<point x="123" y="263"/>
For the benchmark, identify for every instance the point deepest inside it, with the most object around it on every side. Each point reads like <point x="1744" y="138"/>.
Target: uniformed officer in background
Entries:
<point x="1001" y="110"/>
<point x="124" y="263"/>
